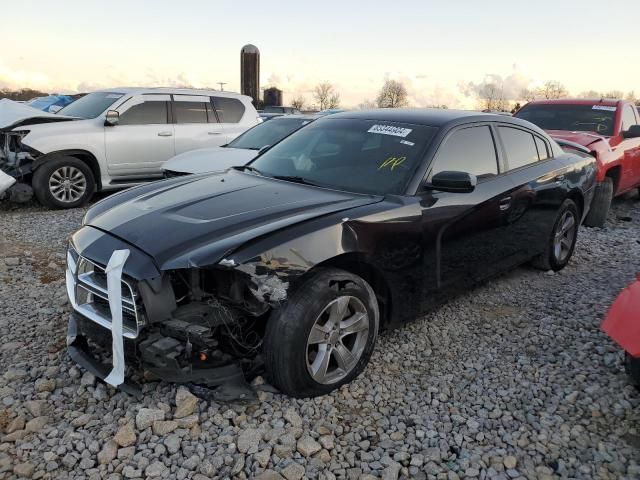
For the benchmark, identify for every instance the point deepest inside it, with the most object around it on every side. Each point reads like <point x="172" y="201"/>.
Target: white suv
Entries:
<point x="114" y="138"/>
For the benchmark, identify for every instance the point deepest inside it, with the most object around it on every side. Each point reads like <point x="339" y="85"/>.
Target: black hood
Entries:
<point x="198" y="220"/>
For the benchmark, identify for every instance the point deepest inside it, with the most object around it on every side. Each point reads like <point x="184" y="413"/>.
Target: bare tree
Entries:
<point x="367" y="104"/>
<point x="553" y="89"/>
<point x="492" y="98"/>
<point x="334" y="100"/>
<point x="393" y="94"/>
<point x="326" y="96"/>
<point x="617" y="94"/>
<point x="528" y="95"/>
<point x="590" y="94"/>
<point x="298" y="102"/>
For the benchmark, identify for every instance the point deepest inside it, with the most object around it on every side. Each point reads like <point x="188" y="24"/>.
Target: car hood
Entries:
<point x="14" y="114"/>
<point x="198" y="220"/>
<point x="585" y="139"/>
<point x="214" y="159"/>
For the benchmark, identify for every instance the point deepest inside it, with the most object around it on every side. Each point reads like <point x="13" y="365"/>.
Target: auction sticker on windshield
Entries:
<point x="390" y="130"/>
<point x="608" y="108"/>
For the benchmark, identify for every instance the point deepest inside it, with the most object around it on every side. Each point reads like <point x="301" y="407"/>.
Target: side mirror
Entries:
<point x="633" y="132"/>
<point x="112" y="118"/>
<point x="454" y="182"/>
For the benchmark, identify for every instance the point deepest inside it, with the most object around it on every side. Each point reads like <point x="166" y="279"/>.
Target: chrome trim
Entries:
<point x="84" y="282"/>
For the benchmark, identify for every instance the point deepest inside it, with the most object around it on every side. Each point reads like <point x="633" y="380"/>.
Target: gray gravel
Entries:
<point x="512" y="380"/>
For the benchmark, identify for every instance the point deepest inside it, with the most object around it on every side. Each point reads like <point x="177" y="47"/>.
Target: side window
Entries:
<point x="146" y="113"/>
<point x="543" y="152"/>
<point x="190" y="112"/>
<point x="628" y="117"/>
<point x="519" y="146"/>
<point x="470" y="150"/>
<point x="230" y="110"/>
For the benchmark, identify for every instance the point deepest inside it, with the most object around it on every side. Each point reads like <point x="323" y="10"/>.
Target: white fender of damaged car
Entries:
<point x="87" y="135"/>
<point x="214" y="159"/>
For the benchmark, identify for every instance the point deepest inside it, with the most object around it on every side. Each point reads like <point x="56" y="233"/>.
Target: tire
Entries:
<point x="64" y="182"/>
<point x="600" y="204"/>
<point x="297" y="338"/>
<point x="562" y="241"/>
<point x="632" y="366"/>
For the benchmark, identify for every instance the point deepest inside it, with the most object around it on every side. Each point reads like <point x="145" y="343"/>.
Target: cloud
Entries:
<point x="13" y="79"/>
<point x="511" y="85"/>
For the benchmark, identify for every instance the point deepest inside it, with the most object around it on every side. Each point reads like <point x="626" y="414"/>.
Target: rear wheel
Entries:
<point x="64" y="182"/>
<point x="600" y="204"/>
<point x="324" y="335"/>
<point x="632" y="366"/>
<point x="563" y="239"/>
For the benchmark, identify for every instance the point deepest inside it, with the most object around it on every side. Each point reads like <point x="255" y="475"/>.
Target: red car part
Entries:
<point x="622" y="322"/>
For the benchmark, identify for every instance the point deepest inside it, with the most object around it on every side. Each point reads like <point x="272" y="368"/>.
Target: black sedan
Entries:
<point x="292" y="264"/>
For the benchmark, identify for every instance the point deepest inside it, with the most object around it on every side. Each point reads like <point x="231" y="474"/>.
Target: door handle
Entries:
<point x="505" y="203"/>
<point x="164" y="134"/>
<point x="214" y="133"/>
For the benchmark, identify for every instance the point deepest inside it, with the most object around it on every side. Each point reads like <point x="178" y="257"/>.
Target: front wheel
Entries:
<point x="600" y="204"/>
<point x="64" y="182"/>
<point x="563" y="239"/>
<point x="323" y="336"/>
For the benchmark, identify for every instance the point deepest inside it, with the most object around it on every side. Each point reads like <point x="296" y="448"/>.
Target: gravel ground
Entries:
<point x="512" y="380"/>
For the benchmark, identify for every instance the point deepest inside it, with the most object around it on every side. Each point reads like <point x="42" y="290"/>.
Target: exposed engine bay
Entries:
<point x="199" y="326"/>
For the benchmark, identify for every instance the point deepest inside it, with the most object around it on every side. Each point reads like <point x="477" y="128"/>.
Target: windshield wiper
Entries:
<point x="295" y="179"/>
<point x="249" y="168"/>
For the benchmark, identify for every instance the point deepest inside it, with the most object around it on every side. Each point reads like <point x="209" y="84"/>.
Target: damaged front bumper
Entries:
<point x="138" y="326"/>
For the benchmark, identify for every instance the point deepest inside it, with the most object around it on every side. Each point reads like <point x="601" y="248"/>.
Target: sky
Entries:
<point x="442" y="51"/>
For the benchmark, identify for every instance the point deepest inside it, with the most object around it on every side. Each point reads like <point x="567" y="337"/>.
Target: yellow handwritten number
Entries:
<point x="392" y="162"/>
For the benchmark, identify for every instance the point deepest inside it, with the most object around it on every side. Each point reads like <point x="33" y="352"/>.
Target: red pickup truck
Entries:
<point x="607" y="129"/>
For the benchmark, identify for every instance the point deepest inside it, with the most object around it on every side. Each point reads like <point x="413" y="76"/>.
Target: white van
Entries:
<point x="114" y="138"/>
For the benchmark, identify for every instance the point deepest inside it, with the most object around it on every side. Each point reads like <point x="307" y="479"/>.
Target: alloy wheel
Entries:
<point x="67" y="184"/>
<point x="564" y="236"/>
<point x="337" y="339"/>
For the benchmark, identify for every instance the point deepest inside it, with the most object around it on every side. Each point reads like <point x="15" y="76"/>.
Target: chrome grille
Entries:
<point x="88" y="293"/>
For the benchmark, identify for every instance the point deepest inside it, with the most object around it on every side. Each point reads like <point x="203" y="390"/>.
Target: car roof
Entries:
<point x="168" y="90"/>
<point x="298" y="116"/>
<point x="610" y="102"/>
<point x="433" y="117"/>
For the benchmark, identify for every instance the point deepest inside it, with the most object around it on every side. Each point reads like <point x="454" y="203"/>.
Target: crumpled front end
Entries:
<point x="195" y="326"/>
<point x="16" y="161"/>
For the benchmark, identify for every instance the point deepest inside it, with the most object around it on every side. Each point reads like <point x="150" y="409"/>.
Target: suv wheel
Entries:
<point x="323" y="336"/>
<point x="64" y="182"/>
<point x="600" y="204"/>
<point x="563" y="239"/>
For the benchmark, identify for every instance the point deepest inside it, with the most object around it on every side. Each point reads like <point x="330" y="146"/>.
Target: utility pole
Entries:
<point x="222" y="84"/>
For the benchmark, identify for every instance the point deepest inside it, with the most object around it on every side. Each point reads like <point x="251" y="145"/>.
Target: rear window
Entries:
<point x="190" y="112"/>
<point x="520" y="147"/>
<point x="230" y="110"/>
<point x="594" y="118"/>
<point x="267" y="133"/>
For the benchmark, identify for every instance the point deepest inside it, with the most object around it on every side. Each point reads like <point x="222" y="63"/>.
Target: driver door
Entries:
<point x="143" y="139"/>
<point x="466" y="234"/>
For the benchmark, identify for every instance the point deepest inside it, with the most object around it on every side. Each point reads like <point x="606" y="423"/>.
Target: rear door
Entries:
<point x="230" y="112"/>
<point x="539" y="190"/>
<point x="196" y="124"/>
<point x="143" y="138"/>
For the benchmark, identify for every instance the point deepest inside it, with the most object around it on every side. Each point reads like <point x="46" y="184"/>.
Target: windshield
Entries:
<point x="91" y="105"/>
<point x="267" y="133"/>
<point x="581" y="118"/>
<point x="363" y="156"/>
